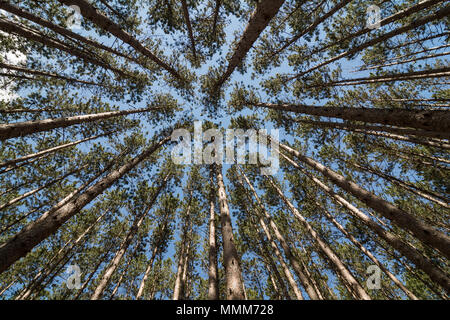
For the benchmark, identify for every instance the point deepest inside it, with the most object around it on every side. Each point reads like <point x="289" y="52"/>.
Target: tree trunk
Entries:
<point x="147" y="273"/>
<point x="328" y="251"/>
<point x="35" y="232"/>
<point x="312" y="26"/>
<point x="411" y="26"/>
<point x="46" y="185"/>
<point x="430" y="120"/>
<point x="51" y="150"/>
<point x="213" y="280"/>
<point x="189" y="27"/>
<point x="36" y="36"/>
<point x="125" y="269"/>
<point x="264" y="12"/>
<point x="421" y="230"/>
<point x="20" y="129"/>
<point x="434" y="272"/>
<point x="95" y="16"/>
<point x="366" y="252"/>
<point x="234" y="284"/>
<point x="378" y="131"/>
<point x="309" y="288"/>
<point x="139" y="219"/>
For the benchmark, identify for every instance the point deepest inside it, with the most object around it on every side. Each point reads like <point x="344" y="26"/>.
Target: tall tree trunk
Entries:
<point x="306" y="282"/>
<point x="178" y="291"/>
<point x="189" y="27"/>
<point x="443" y="12"/>
<point x="430" y="120"/>
<point x="139" y="219"/>
<point x="20" y="129"/>
<point x="51" y="264"/>
<point x="36" y="36"/>
<point x="43" y="74"/>
<point x="95" y="16"/>
<point x="213" y="277"/>
<point x="125" y="269"/>
<point x="35" y="190"/>
<point x="421" y="230"/>
<point x="35" y="232"/>
<point x="422" y="74"/>
<point x="234" y="284"/>
<point x="147" y="273"/>
<point x="434" y="272"/>
<point x="273" y="270"/>
<point x="215" y="17"/>
<point x="60" y="30"/>
<point x="264" y="12"/>
<point x="327" y="250"/>
<point x="367" y="252"/>
<point x="51" y="150"/>
<point x="312" y="26"/>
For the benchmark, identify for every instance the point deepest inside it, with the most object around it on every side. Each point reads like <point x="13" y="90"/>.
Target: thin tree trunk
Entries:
<point x="20" y="129"/>
<point x="95" y="16"/>
<point x="46" y="185"/>
<point x="216" y="16"/>
<point x="434" y="272"/>
<point x="213" y="280"/>
<point x="147" y="273"/>
<point x="36" y="36"/>
<point x="60" y="30"/>
<point x="272" y="269"/>
<point x="309" y="288"/>
<point x="234" y="284"/>
<point x="422" y="74"/>
<point x="178" y="291"/>
<point x="264" y="12"/>
<point x="139" y="219"/>
<point x="367" y="252"/>
<point x="51" y="150"/>
<point x="328" y="251"/>
<point x="442" y="13"/>
<point x="189" y="27"/>
<point x="44" y="74"/>
<point x="312" y="26"/>
<point x="35" y="232"/>
<point x="431" y="196"/>
<point x="421" y="230"/>
<point x="46" y="270"/>
<point x="125" y="269"/>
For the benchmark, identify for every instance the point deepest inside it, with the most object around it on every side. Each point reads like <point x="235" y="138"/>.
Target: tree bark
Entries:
<point x="20" y="129"/>
<point x="414" y="24"/>
<point x="260" y="18"/>
<point x="429" y="120"/>
<point x="213" y="280"/>
<point x="434" y="272"/>
<point x="139" y="219"/>
<point x="35" y="232"/>
<point x="95" y="16"/>
<point x="234" y="284"/>
<point x="327" y="250"/>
